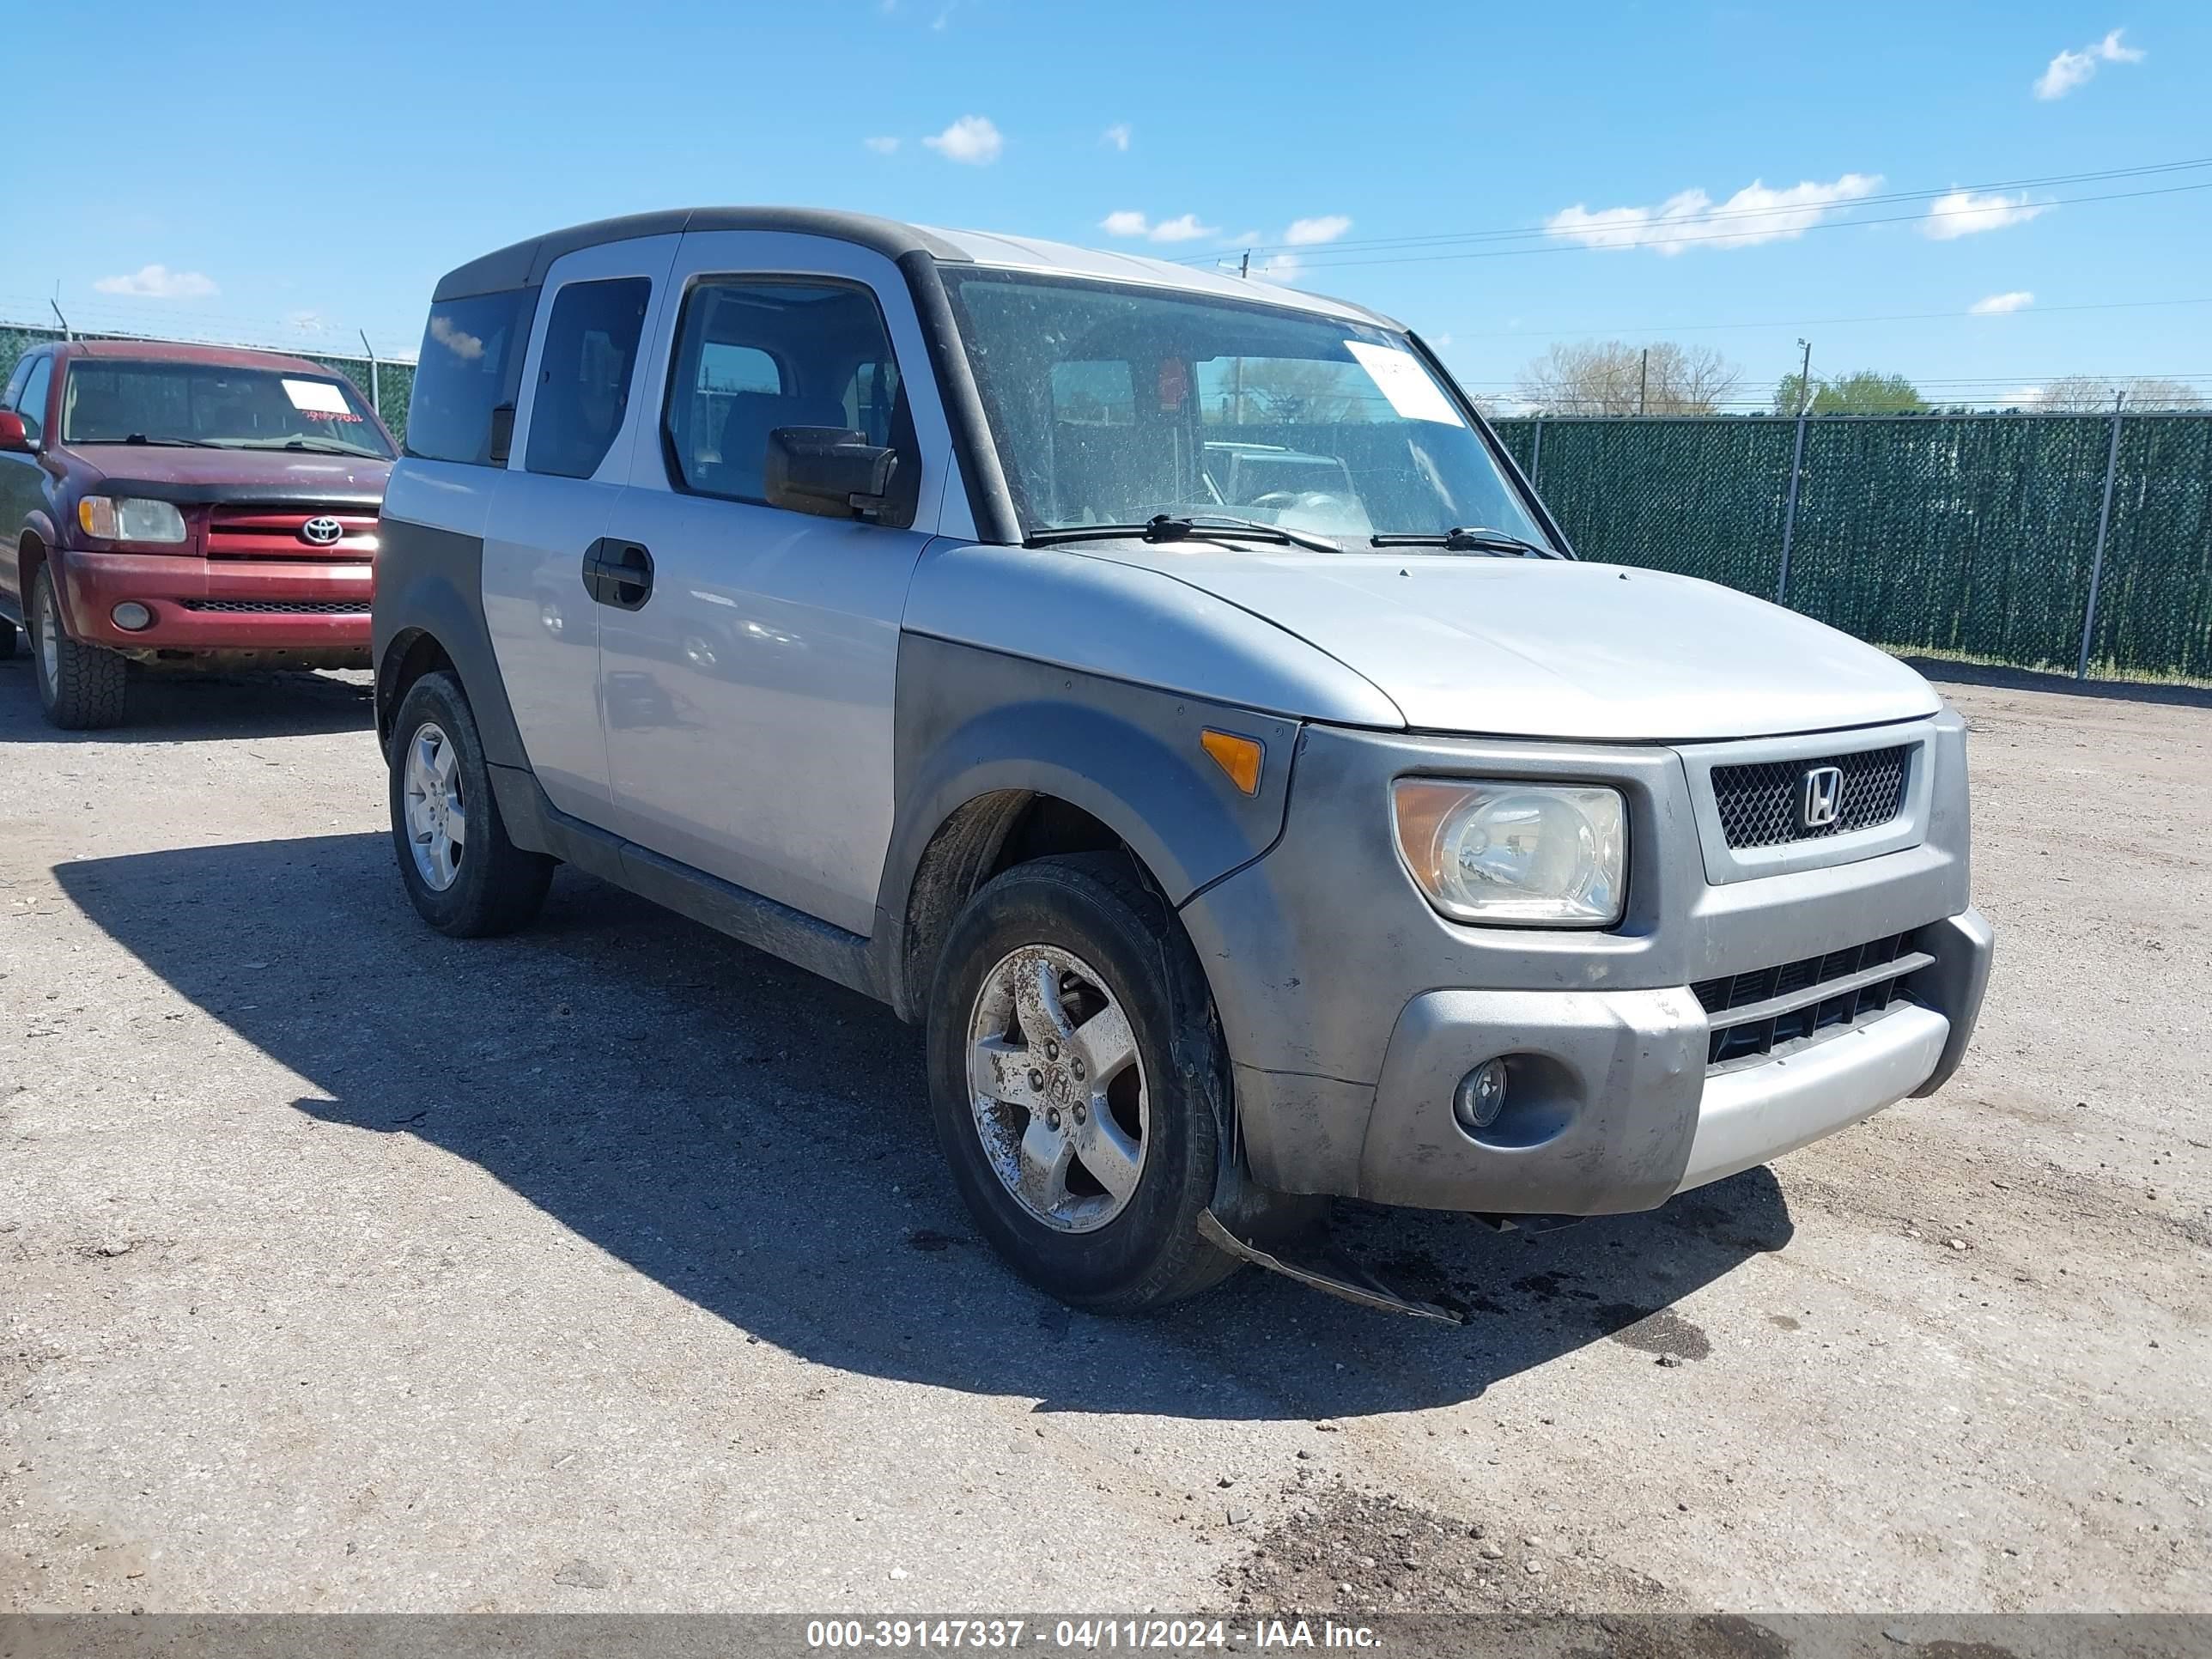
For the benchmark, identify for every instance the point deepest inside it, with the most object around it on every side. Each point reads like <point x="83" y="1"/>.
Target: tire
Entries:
<point x="81" y="687"/>
<point x="7" y="639"/>
<point x="491" y="886"/>
<point x="1126" y="1252"/>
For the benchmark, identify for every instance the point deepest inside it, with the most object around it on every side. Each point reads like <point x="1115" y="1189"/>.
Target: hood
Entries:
<point x="196" y="477"/>
<point x="1551" y="648"/>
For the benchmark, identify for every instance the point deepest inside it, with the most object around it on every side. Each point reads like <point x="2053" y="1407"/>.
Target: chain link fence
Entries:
<point x="385" y="383"/>
<point x="2074" y="542"/>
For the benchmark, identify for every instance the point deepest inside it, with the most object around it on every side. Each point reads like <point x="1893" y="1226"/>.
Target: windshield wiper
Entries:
<point x="327" y="447"/>
<point x="1477" y="538"/>
<point x="140" y="438"/>
<point x="1196" y="526"/>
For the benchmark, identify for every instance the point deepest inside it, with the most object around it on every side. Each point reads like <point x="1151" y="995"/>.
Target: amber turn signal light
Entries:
<point x="1238" y="757"/>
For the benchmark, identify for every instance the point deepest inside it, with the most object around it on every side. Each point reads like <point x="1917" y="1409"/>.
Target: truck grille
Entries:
<point x="283" y="607"/>
<point x="1755" y="1012"/>
<point x="274" y="532"/>
<point x="1760" y="804"/>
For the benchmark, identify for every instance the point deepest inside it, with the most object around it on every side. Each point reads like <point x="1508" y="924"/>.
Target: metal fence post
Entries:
<point x="2104" y="526"/>
<point x="1789" y="512"/>
<point x="376" y="398"/>
<point x="1536" y="452"/>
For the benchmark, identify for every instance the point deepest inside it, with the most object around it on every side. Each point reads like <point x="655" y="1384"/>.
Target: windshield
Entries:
<point x="1110" y="405"/>
<point x="117" y="402"/>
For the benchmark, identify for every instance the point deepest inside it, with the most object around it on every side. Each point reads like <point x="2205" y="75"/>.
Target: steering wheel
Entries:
<point x="1278" y="499"/>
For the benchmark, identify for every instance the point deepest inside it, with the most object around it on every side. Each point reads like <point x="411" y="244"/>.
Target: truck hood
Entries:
<point x="1551" y="648"/>
<point x="199" y="477"/>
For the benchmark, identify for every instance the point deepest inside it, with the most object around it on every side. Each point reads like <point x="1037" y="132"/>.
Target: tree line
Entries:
<point x="1611" y="376"/>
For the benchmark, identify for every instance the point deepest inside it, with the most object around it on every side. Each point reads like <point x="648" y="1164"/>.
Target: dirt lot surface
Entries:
<point x="612" y="1266"/>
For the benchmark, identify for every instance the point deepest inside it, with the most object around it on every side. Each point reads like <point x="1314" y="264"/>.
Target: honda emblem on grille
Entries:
<point x="1819" y="797"/>
<point x="322" y="531"/>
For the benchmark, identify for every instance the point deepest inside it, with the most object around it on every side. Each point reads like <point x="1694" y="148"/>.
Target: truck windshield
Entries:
<point x="1113" y="404"/>
<point x="117" y="401"/>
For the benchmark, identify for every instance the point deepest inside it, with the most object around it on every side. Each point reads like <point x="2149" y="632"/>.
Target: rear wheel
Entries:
<point x="464" y="876"/>
<point x="1076" y="1075"/>
<point x="81" y="687"/>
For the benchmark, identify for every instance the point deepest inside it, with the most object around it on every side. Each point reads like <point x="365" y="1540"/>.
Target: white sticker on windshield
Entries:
<point x="321" y="397"/>
<point x="1403" y="380"/>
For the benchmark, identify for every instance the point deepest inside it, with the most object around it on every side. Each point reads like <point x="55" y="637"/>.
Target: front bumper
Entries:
<point x="1352" y="1011"/>
<point x="208" y="606"/>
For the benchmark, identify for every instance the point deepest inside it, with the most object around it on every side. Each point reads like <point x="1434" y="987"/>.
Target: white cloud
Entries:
<point x="1999" y="304"/>
<point x="972" y="139"/>
<point x="1754" y="214"/>
<point x="462" y="343"/>
<point x="882" y="146"/>
<point x="158" y="282"/>
<point x="1279" y="267"/>
<point x="2021" y="397"/>
<point x="1130" y="222"/>
<point x="2071" y="68"/>
<point x="1305" y="233"/>
<point x="1963" y="213"/>
<point x="1184" y="229"/>
<point x="1117" y="136"/>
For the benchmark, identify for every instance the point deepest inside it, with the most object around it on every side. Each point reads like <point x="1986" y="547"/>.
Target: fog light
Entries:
<point x="1480" y="1096"/>
<point x="130" y="617"/>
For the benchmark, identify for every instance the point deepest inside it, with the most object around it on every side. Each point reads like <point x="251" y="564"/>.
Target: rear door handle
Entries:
<point x="618" y="573"/>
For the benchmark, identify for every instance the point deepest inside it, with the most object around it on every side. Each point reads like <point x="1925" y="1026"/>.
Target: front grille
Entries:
<point x="273" y="533"/>
<point x="1755" y="1012"/>
<point x="283" y="607"/>
<point x="1760" y="804"/>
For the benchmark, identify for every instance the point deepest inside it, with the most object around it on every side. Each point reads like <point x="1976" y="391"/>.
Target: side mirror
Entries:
<point x="13" y="434"/>
<point x="830" y="473"/>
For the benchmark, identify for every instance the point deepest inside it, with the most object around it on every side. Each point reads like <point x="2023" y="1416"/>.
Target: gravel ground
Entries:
<point x="611" y="1266"/>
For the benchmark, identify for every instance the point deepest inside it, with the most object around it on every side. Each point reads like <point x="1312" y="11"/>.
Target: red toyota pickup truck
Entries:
<point x="183" y="506"/>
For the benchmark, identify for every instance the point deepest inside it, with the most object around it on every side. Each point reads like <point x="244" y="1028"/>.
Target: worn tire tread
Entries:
<point x="91" y="686"/>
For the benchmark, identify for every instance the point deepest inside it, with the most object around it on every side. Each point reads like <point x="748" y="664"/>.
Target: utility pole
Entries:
<point x="2104" y="527"/>
<point x="1643" y="379"/>
<point x="1244" y="264"/>
<point x="1805" y="381"/>
<point x="67" y="332"/>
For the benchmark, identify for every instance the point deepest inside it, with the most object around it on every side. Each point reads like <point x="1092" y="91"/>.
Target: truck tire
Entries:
<point x="465" y="878"/>
<point x="1077" y="1074"/>
<point x="81" y="687"/>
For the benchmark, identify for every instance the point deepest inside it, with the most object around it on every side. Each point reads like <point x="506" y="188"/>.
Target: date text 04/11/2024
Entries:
<point x="1083" y="1635"/>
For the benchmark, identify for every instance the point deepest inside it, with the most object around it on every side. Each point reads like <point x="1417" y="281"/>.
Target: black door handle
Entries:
<point x="618" y="573"/>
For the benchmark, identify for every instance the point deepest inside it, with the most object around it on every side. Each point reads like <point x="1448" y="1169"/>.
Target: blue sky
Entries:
<point x="297" y="173"/>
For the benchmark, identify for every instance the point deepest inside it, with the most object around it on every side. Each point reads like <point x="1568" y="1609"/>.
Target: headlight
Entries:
<point x="130" y="519"/>
<point x="1526" y="855"/>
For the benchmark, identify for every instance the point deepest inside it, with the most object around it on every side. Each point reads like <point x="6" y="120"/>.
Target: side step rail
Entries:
<point x="1323" y="1267"/>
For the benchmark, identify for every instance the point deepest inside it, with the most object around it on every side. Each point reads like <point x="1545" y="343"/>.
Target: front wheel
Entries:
<point x="464" y="876"/>
<point x="81" y="687"/>
<point x="1076" y="1076"/>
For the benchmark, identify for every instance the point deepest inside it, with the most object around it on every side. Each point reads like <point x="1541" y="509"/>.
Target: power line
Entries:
<point x="1563" y="243"/>
<point x="1818" y="322"/>
<point x="1720" y="213"/>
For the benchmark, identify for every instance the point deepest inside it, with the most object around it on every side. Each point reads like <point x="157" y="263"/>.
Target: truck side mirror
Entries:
<point x="827" y="472"/>
<point x="13" y="434"/>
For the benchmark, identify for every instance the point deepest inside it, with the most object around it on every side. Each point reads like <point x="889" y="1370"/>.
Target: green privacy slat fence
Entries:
<point x="393" y="383"/>
<point x="1974" y="534"/>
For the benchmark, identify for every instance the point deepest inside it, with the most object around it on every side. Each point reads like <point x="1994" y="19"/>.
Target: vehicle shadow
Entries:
<point x="757" y="1140"/>
<point x="199" y="708"/>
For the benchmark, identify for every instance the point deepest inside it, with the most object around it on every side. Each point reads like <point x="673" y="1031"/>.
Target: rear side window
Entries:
<point x="471" y="358"/>
<point x="584" y="374"/>
<point x="753" y="355"/>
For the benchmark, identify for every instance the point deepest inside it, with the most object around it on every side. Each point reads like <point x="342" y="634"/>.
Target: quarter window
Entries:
<point x="584" y="374"/>
<point x="754" y="355"/>
<point x="471" y="358"/>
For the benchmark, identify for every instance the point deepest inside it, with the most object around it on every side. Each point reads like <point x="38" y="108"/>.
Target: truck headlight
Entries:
<point x="130" y="519"/>
<point x="1522" y="854"/>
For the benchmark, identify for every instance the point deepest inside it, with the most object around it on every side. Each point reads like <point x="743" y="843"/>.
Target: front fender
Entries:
<point x="973" y="723"/>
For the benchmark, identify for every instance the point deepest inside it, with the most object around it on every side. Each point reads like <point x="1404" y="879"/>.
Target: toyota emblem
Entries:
<point x="321" y="531"/>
